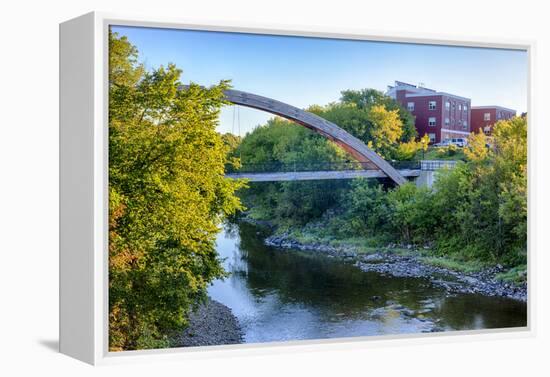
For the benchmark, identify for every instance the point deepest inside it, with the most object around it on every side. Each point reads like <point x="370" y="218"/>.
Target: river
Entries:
<point x="280" y="295"/>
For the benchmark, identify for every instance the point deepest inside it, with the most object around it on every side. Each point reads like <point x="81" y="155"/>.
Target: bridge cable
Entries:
<point x="239" y="119"/>
<point x="233" y="124"/>
<point x="239" y="126"/>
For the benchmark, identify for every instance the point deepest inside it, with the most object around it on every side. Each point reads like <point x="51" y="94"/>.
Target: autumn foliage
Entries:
<point x="167" y="198"/>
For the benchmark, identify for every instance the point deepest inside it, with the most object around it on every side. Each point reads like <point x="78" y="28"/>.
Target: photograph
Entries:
<point x="268" y="188"/>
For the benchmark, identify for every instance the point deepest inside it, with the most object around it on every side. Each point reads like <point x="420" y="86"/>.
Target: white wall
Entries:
<point x="29" y="184"/>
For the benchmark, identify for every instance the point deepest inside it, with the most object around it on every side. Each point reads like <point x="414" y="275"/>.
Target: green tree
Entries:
<point x="366" y="98"/>
<point x="386" y="129"/>
<point x="167" y="197"/>
<point x="231" y="141"/>
<point x="477" y="149"/>
<point x="483" y="203"/>
<point x="283" y="143"/>
<point x="347" y="116"/>
<point x="413" y="219"/>
<point x="375" y="119"/>
<point x="409" y="150"/>
<point x="367" y="209"/>
<point x="511" y="169"/>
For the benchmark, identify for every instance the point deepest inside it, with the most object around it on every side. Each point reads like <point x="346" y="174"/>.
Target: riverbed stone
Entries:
<point x="211" y="324"/>
<point x="482" y="282"/>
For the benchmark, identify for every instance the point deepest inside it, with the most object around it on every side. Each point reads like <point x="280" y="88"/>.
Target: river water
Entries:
<point x="282" y="295"/>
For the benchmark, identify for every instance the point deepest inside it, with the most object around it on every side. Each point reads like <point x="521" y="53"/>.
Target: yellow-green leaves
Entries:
<point x="487" y="196"/>
<point x="408" y="150"/>
<point x="386" y="128"/>
<point x="168" y="196"/>
<point x="478" y="147"/>
<point x="377" y="120"/>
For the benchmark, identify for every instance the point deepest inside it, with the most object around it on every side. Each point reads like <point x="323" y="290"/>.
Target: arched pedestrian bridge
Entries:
<point x="372" y="164"/>
<point x="317" y="170"/>
<point x="423" y="172"/>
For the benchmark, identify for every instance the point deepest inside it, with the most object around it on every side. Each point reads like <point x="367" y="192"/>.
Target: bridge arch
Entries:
<point x="331" y="131"/>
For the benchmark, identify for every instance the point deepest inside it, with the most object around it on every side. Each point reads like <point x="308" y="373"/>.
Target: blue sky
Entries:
<point x="305" y="71"/>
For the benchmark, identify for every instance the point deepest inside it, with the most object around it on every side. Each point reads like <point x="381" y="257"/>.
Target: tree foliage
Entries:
<point x="367" y="209"/>
<point x="366" y="98"/>
<point x="478" y="210"/>
<point x="167" y="197"/>
<point x="281" y="142"/>
<point x="386" y="129"/>
<point x="377" y="120"/>
<point x="478" y="147"/>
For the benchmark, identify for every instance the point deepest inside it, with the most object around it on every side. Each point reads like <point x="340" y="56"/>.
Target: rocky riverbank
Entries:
<point x="211" y="324"/>
<point x="386" y="262"/>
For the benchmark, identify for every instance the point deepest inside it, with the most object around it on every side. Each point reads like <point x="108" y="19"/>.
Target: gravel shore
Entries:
<point x="211" y="324"/>
<point x="482" y="282"/>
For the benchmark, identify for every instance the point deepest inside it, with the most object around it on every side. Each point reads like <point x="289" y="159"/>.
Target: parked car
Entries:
<point x="459" y="142"/>
<point x="444" y="143"/>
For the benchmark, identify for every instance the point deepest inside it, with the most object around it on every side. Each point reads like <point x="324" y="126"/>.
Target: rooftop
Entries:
<point x="494" y="107"/>
<point x="417" y="91"/>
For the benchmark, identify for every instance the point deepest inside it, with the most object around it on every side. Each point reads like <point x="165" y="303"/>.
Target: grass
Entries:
<point x="454" y="264"/>
<point x="364" y="245"/>
<point x="441" y="153"/>
<point x="373" y="245"/>
<point x="514" y="275"/>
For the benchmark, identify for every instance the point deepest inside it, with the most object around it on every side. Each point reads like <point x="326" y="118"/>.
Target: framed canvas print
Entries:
<point x="223" y="185"/>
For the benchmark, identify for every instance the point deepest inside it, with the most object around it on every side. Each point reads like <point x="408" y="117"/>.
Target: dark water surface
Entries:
<point x="291" y="295"/>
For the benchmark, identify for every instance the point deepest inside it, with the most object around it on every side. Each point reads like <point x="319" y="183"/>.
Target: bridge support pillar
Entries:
<point x="426" y="178"/>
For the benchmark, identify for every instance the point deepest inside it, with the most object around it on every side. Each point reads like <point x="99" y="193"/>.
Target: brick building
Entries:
<point x="440" y="115"/>
<point x="484" y="117"/>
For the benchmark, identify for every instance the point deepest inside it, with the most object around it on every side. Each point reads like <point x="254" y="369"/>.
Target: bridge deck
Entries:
<point x="317" y="175"/>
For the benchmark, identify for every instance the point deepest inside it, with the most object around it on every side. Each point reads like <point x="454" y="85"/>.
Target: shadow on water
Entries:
<point x="288" y="295"/>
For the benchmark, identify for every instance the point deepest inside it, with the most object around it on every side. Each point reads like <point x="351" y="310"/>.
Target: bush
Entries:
<point x="448" y="151"/>
<point x="412" y="213"/>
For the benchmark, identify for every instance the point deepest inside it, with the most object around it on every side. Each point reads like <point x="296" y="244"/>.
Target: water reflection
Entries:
<point x="289" y="295"/>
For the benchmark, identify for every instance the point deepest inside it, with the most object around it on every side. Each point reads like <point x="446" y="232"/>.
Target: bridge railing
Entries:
<point x="279" y="167"/>
<point x="432" y="165"/>
<point x="401" y="165"/>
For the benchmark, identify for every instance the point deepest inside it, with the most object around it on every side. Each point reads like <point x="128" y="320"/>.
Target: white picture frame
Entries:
<point x="84" y="189"/>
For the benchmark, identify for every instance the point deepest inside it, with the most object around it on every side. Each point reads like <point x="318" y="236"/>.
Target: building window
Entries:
<point x="487" y="116"/>
<point x="432" y="105"/>
<point x="447" y="121"/>
<point x="431" y="121"/>
<point x="447" y="105"/>
<point x="465" y="108"/>
<point x="465" y="125"/>
<point x="432" y="137"/>
<point x="459" y="107"/>
<point x="410" y="106"/>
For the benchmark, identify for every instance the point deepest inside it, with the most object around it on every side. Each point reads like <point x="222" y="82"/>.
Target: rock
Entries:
<point x="386" y="263"/>
<point x="211" y="324"/>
